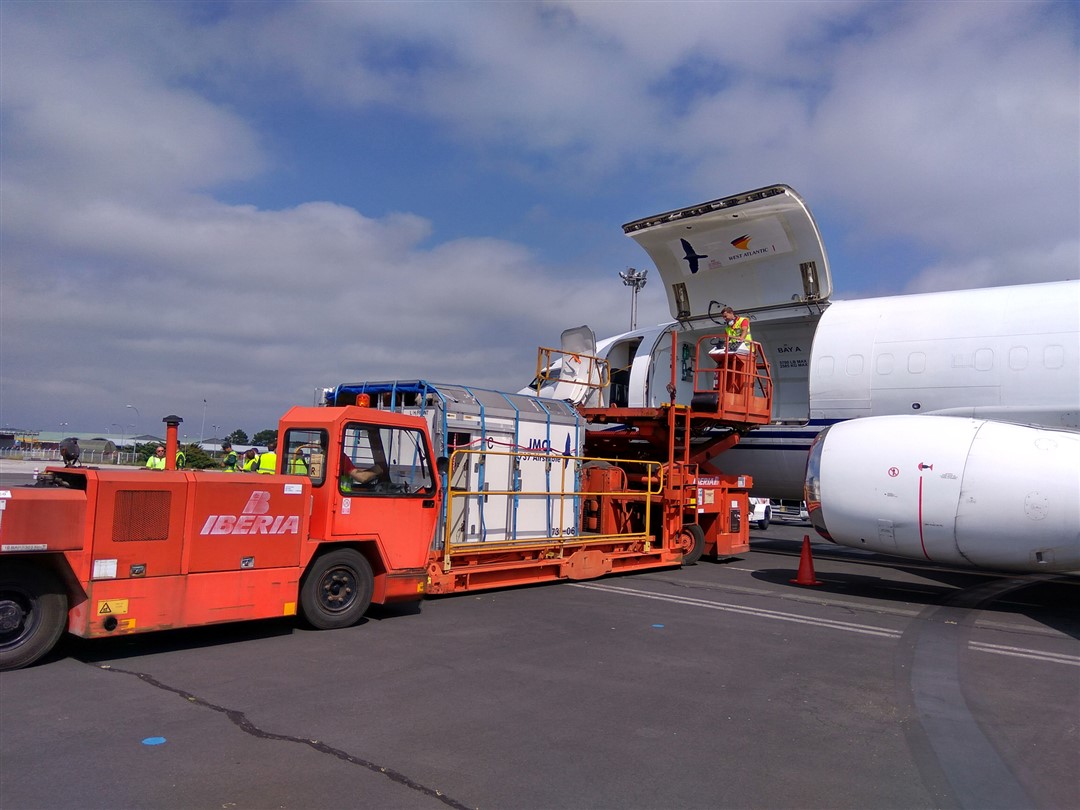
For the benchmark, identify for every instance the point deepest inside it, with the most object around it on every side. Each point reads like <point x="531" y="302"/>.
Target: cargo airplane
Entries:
<point x="940" y="426"/>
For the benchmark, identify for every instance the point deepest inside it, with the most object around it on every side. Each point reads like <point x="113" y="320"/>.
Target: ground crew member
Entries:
<point x="734" y="352"/>
<point x="181" y="459"/>
<point x="298" y="464"/>
<point x="351" y="475"/>
<point x="156" y="461"/>
<point x="738" y="331"/>
<point x="251" y="463"/>
<point x="230" y="456"/>
<point x="268" y="460"/>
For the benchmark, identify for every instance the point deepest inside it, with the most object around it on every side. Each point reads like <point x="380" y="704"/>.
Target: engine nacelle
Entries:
<point x="966" y="492"/>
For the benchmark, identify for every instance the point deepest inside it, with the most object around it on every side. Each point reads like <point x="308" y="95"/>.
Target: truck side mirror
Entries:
<point x="442" y="465"/>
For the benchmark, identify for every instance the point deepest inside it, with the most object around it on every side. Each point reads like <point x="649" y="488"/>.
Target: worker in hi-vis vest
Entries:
<point x="156" y="461"/>
<point x="229" y="462"/>
<point x="298" y="464"/>
<point x="738" y="331"/>
<point x="268" y="460"/>
<point x="733" y="353"/>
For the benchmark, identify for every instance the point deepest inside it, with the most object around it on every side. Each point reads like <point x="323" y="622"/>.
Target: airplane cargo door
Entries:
<point x="760" y="249"/>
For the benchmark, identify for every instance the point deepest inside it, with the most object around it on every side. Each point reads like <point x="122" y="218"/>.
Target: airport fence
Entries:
<point x="46" y="456"/>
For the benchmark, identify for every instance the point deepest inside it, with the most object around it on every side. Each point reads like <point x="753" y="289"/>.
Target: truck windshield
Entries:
<point x="381" y="460"/>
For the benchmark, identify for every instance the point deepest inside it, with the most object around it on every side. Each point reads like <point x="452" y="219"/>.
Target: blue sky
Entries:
<point x="242" y="203"/>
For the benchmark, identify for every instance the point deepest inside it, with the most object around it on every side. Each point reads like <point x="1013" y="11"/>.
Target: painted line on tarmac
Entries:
<point x="1021" y="652"/>
<point x="850" y="627"/>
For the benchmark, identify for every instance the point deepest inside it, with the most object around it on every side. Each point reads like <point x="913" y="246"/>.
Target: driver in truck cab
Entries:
<point x="352" y="477"/>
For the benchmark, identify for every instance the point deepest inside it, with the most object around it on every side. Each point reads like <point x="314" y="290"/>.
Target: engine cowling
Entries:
<point x="967" y="492"/>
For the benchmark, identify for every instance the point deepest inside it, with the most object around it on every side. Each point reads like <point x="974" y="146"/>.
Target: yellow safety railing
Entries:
<point x="518" y="514"/>
<point x="598" y="370"/>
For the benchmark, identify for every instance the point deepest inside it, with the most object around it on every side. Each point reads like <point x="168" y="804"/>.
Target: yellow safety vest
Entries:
<point x="735" y="329"/>
<point x="155" y="463"/>
<point x="268" y="462"/>
<point x="230" y="461"/>
<point x="297" y="466"/>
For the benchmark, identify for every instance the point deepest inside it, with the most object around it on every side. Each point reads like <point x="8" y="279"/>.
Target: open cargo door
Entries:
<point x="579" y="377"/>
<point x="752" y="251"/>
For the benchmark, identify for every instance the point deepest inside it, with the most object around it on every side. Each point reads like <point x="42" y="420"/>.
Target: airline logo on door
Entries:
<point x="732" y="245"/>
<point x="255" y="518"/>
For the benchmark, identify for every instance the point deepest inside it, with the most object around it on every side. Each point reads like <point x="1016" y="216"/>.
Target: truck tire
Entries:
<point x="763" y="524"/>
<point x="337" y="589"/>
<point x="696" y="543"/>
<point x="33" y="613"/>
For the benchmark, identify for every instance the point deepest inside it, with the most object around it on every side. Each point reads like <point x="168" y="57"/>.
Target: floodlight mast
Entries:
<point x="635" y="279"/>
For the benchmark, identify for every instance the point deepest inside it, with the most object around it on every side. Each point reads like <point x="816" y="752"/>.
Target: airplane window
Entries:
<point x="984" y="359"/>
<point x="854" y="364"/>
<point x="884" y="364"/>
<point x="916" y="363"/>
<point x="1018" y="358"/>
<point x="1053" y="357"/>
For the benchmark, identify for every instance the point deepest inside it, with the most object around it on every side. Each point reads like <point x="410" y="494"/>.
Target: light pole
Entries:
<point x="62" y="426"/>
<point x="202" y="430"/>
<point x="636" y="279"/>
<point x="138" y="418"/>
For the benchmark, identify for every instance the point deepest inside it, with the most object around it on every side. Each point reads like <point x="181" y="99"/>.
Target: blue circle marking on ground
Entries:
<point x="659" y="626"/>
<point x="154" y="741"/>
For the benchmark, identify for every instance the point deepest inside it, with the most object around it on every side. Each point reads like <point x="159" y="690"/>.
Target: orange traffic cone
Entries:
<point x="806" y="566"/>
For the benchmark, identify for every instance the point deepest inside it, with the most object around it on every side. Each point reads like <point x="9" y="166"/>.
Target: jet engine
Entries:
<point x="965" y="492"/>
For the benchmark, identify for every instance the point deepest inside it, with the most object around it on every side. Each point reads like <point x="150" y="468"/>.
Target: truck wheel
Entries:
<point x="764" y="523"/>
<point x="337" y="589"/>
<point x="33" y="613"/>
<point x="692" y="537"/>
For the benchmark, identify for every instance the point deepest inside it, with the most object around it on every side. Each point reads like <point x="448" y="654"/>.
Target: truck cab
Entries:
<point x="374" y="488"/>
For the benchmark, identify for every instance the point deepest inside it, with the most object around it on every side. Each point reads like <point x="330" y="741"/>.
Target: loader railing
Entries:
<point x="581" y="373"/>
<point x="733" y="386"/>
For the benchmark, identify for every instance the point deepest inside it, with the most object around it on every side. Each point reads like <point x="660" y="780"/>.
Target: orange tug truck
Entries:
<point x="391" y="492"/>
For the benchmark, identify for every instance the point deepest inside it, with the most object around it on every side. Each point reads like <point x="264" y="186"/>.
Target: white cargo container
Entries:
<point x="513" y="458"/>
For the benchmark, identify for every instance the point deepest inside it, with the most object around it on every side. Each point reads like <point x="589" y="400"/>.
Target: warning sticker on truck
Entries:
<point x="111" y="607"/>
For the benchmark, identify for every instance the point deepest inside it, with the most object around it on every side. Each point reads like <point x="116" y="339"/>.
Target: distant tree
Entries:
<point x="197" y="458"/>
<point x="263" y="437"/>
<point x="238" y="437"/>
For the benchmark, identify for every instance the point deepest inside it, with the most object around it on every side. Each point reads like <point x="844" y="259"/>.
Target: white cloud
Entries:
<point x="127" y="274"/>
<point x="961" y="127"/>
<point x="94" y="122"/>
<point x="1058" y="262"/>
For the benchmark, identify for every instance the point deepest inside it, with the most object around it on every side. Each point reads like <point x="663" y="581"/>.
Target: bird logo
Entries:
<point x="742" y="243"/>
<point x="692" y="257"/>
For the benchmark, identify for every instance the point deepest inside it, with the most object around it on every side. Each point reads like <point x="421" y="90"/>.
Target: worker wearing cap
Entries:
<point x="230" y="456"/>
<point x="268" y="460"/>
<point x="156" y="461"/>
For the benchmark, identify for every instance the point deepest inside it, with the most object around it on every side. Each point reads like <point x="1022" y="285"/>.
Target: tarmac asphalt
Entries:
<point x="713" y="686"/>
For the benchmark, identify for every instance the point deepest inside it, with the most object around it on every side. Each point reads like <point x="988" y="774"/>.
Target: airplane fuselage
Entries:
<point x="984" y="357"/>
